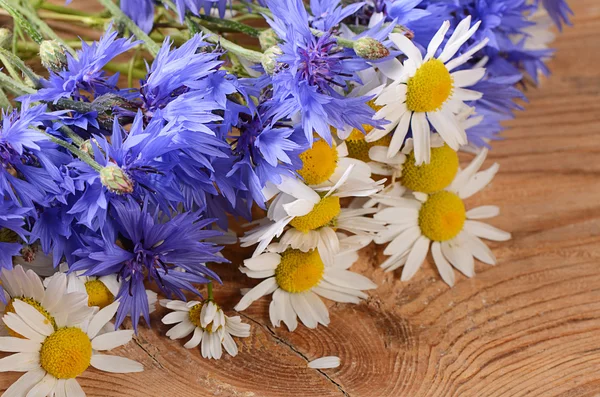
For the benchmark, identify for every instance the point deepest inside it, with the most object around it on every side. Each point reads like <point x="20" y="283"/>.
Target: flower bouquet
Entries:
<point x="134" y="165"/>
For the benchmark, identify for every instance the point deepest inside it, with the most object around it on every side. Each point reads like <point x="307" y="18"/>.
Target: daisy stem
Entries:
<point x="18" y="63"/>
<point x="209" y="291"/>
<point x="152" y="47"/>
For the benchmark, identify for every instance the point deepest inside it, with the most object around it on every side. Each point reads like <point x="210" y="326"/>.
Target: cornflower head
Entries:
<point x="310" y="71"/>
<point x="148" y="245"/>
<point x="11" y="220"/>
<point x="83" y="76"/>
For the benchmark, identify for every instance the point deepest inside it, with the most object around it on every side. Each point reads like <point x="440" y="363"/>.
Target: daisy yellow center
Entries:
<point x="318" y="163"/>
<point x="66" y="353"/>
<point x="432" y="177"/>
<point x="37" y="305"/>
<point x="322" y="214"/>
<point x="98" y="294"/>
<point x="442" y="216"/>
<point x="429" y="88"/>
<point x="194" y="315"/>
<point x="299" y="271"/>
<point x="358" y="147"/>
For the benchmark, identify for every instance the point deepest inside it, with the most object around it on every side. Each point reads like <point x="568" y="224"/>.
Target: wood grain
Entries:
<point x="529" y="326"/>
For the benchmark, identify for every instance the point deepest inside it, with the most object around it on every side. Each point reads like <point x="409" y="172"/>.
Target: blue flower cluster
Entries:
<point x="138" y="181"/>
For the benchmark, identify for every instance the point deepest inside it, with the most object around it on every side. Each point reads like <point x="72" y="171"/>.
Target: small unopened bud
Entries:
<point x="116" y="180"/>
<point x="5" y="38"/>
<point x="53" y="55"/>
<point x="269" y="59"/>
<point x="268" y="38"/>
<point x="371" y="49"/>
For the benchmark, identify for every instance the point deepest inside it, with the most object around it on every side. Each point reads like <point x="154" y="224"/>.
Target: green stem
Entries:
<point x="71" y="134"/>
<point x="62" y="10"/>
<point x="341" y="41"/>
<point x="254" y="7"/>
<point x="11" y="70"/>
<point x="231" y="25"/>
<point x="17" y="62"/>
<point x="86" y="20"/>
<point x="209" y="291"/>
<point x="251" y="55"/>
<point x="81" y="155"/>
<point x="13" y="86"/>
<point x="152" y="47"/>
<point x="42" y="26"/>
<point x="4" y="102"/>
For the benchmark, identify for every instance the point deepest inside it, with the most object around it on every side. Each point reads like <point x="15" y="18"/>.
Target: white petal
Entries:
<point x="405" y="45"/>
<point x="348" y="279"/>
<point x="336" y="296"/>
<point x="466" y="78"/>
<point x="464" y="176"/>
<point x="36" y="320"/>
<point x="415" y="258"/>
<point x="175" y="305"/>
<point x="195" y="340"/>
<point x="391" y="68"/>
<point x="437" y="40"/>
<point x="16" y="323"/>
<point x="403" y="241"/>
<point x="264" y="288"/>
<point x="284" y="304"/>
<point x="174" y="317"/>
<point x="460" y="257"/>
<point x="208" y="313"/>
<point x="22" y="386"/>
<point x="483" y="212"/>
<point x="181" y="330"/>
<point x="399" y="135"/>
<point x="229" y="345"/>
<point x="318" y="307"/>
<point x="115" y="364"/>
<point x="325" y="362"/>
<point x="101" y="318"/>
<point x="443" y="266"/>
<point x="20" y="362"/>
<point x="480" y="250"/>
<point x="486" y="231"/>
<point x="466" y="95"/>
<point x="478" y="181"/>
<point x="18" y="345"/>
<point x="112" y="340"/>
<point x="421" y="135"/>
<point x="303" y="310"/>
<point x="299" y="207"/>
<point x="55" y="291"/>
<point x="73" y="389"/>
<point x="463" y="58"/>
<point x="43" y="387"/>
<point x="267" y="261"/>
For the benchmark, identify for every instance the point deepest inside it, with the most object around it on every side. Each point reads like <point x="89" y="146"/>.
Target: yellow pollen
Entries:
<point x="98" y="294"/>
<point x="323" y="214"/>
<point x="299" y="271"/>
<point x="429" y="88"/>
<point x="38" y="306"/>
<point x="319" y="163"/>
<point x="66" y="353"/>
<point x="432" y="177"/>
<point x="442" y="216"/>
<point x="358" y="147"/>
<point x="194" y="316"/>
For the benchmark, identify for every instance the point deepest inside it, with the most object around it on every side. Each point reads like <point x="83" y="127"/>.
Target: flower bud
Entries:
<point x="5" y="38"/>
<point x="269" y="59"/>
<point x="371" y="49"/>
<point x="268" y="38"/>
<point x="116" y="180"/>
<point x="53" y="55"/>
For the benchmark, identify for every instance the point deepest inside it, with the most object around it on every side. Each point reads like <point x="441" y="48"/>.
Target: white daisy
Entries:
<point x="314" y="213"/>
<point x="101" y="291"/>
<point x="440" y="220"/>
<point x="53" y="358"/>
<point x="427" y="177"/>
<point x="297" y="279"/>
<point x="53" y="302"/>
<point x="425" y="91"/>
<point x="209" y="325"/>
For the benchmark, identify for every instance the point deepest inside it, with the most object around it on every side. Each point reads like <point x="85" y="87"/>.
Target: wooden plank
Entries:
<point x="529" y="326"/>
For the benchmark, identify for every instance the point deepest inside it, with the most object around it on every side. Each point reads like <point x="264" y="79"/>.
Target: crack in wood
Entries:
<point x="295" y="350"/>
<point x="137" y="342"/>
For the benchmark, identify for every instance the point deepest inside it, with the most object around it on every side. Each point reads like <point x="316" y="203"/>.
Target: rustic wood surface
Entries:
<point x="529" y="326"/>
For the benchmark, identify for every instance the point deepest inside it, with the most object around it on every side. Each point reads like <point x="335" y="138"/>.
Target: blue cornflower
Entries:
<point x="310" y="72"/>
<point x="29" y="160"/>
<point x="140" y="11"/>
<point x="147" y="247"/>
<point x="12" y="218"/>
<point x="265" y="150"/>
<point x="558" y="10"/>
<point x="130" y="167"/>
<point x="83" y="75"/>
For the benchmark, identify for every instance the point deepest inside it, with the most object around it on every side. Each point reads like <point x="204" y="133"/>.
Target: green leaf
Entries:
<point x="22" y="22"/>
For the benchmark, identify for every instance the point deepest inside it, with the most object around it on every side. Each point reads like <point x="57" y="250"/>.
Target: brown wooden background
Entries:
<point x="528" y="327"/>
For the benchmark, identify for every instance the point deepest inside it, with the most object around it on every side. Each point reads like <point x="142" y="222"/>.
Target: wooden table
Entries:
<point x="529" y="326"/>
